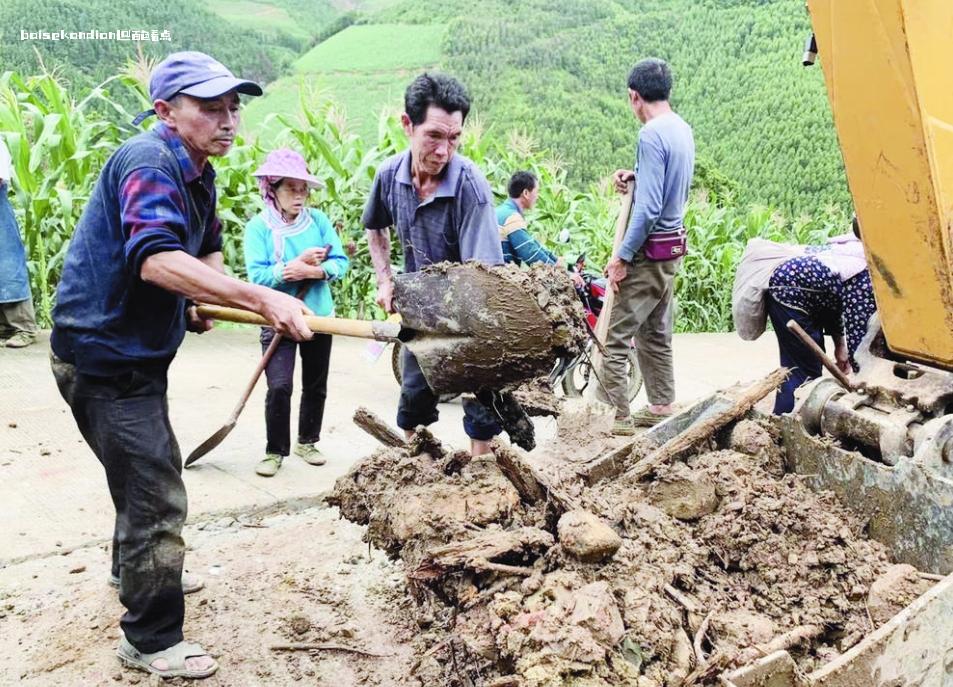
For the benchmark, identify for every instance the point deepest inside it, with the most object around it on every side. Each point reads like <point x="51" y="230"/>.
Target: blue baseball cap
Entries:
<point x="196" y="74"/>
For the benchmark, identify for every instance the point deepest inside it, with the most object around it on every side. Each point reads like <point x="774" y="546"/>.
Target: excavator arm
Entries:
<point x="887" y="65"/>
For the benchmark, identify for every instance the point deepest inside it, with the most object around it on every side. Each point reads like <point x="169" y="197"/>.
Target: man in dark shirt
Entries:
<point x="441" y="207"/>
<point x="147" y="240"/>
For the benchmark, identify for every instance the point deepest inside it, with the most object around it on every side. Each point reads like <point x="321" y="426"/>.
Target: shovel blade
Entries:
<point x="210" y="443"/>
<point x="481" y="327"/>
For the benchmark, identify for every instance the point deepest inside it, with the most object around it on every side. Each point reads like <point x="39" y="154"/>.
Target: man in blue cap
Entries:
<point x="148" y="240"/>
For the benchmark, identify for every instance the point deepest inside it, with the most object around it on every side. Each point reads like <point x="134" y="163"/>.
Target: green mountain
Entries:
<point x="558" y="69"/>
<point x="261" y="55"/>
<point x="555" y="70"/>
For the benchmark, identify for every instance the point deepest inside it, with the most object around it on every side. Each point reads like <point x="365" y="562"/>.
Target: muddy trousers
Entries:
<point x="418" y="404"/>
<point x="315" y="362"/>
<point x="643" y="309"/>
<point x="795" y="355"/>
<point x="125" y="421"/>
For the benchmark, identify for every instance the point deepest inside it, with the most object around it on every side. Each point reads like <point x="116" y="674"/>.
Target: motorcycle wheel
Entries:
<point x="576" y="379"/>
<point x="398" y="376"/>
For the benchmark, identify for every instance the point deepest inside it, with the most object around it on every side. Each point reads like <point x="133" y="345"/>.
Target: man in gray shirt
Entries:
<point x="441" y="207"/>
<point x="645" y="279"/>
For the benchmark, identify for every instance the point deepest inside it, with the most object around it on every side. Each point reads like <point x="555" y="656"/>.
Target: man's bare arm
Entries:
<point x="215" y="260"/>
<point x="378" y="242"/>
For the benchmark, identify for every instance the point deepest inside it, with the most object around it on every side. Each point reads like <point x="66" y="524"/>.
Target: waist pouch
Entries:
<point x="666" y="245"/>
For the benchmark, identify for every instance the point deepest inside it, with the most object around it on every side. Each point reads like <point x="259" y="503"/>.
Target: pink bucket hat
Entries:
<point x="288" y="164"/>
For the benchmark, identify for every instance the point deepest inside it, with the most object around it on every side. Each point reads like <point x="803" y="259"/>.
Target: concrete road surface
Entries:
<point x="53" y="495"/>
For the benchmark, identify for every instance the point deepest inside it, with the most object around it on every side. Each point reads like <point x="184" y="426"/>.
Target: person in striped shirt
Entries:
<point x="519" y="246"/>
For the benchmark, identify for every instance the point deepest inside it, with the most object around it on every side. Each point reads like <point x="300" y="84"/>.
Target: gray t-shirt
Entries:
<point x="456" y="224"/>
<point x="665" y="162"/>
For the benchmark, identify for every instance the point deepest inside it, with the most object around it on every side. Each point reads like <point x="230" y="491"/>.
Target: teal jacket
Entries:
<point x="265" y="264"/>
<point x="518" y="244"/>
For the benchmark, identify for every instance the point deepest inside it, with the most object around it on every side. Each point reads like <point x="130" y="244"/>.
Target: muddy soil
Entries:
<point x="485" y="327"/>
<point x="715" y="559"/>
<point x="500" y="571"/>
<point x="303" y="577"/>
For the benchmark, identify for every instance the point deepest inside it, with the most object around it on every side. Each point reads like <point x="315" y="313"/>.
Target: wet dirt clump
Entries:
<point x="524" y="574"/>
<point x="481" y="327"/>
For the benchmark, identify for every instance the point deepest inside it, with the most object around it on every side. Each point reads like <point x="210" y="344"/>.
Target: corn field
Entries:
<point x="59" y="144"/>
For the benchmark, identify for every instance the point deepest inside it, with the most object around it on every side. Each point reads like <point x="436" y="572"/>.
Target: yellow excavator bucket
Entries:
<point x="887" y="67"/>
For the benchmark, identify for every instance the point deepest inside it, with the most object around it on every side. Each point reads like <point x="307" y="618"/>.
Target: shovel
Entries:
<point x="229" y="425"/>
<point x="470" y="327"/>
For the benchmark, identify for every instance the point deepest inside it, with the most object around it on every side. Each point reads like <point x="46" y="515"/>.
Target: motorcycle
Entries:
<point x="575" y="375"/>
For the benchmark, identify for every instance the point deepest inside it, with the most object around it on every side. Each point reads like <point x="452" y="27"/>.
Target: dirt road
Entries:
<point x="58" y="618"/>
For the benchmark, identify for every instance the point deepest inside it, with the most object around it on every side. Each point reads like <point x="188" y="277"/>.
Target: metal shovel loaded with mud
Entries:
<point x="473" y="328"/>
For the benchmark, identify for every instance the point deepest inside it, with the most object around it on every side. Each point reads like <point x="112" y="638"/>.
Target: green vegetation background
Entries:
<point x="548" y="83"/>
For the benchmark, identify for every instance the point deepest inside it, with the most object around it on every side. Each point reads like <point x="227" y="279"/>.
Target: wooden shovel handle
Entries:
<point x="259" y="368"/>
<point x="621" y="224"/>
<point x="819" y="353"/>
<point x="361" y="329"/>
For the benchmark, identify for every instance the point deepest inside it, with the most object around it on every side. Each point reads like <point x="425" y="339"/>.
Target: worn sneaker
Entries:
<point x="310" y="454"/>
<point x="268" y="467"/>
<point x="646" y="418"/>
<point x="623" y="427"/>
<point x="190" y="583"/>
<point x="20" y="340"/>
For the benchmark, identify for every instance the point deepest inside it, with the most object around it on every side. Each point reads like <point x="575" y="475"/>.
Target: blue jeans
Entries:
<point x="795" y="355"/>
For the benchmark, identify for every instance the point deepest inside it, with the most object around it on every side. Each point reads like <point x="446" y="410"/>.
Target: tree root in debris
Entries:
<point x="307" y="646"/>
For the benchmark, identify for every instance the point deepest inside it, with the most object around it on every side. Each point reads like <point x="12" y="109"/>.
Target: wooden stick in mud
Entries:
<point x="819" y="353"/>
<point x="930" y="576"/>
<point x="527" y="481"/>
<point x="519" y="473"/>
<point x="703" y="430"/>
<point x="720" y="660"/>
<point x="784" y="641"/>
<point x="306" y="646"/>
<point x="691" y="608"/>
<point x="700" y="659"/>
<point x="424" y="441"/>
<point x="490" y="566"/>
<point x="377" y="428"/>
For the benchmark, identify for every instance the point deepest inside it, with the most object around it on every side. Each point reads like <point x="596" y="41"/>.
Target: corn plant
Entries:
<point x="58" y="146"/>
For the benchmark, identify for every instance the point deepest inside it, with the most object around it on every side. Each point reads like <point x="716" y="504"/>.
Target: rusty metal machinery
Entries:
<point x="885" y="448"/>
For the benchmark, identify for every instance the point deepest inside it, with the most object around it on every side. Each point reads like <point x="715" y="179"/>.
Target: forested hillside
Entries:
<point x="554" y="69"/>
<point x="86" y="63"/>
<point x="363" y="69"/>
<point x="558" y="68"/>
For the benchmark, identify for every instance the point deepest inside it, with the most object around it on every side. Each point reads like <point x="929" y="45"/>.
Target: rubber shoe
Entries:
<point x="190" y="583"/>
<point x="268" y="467"/>
<point x="310" y="454"/>
<point x="624" y="427"/>
<point x="646" y="418"/>
<point x="20" y="340"/>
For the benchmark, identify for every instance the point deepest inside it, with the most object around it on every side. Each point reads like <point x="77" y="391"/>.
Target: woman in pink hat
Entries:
<point x="293" y="248"/>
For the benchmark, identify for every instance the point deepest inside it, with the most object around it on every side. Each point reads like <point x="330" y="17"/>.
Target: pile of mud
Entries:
<point x="524" y="575"/>
<point x="486" y="327"/>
